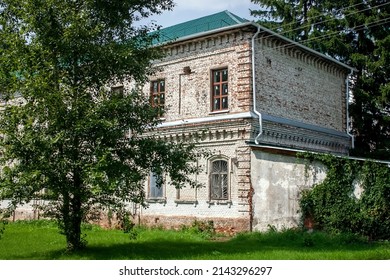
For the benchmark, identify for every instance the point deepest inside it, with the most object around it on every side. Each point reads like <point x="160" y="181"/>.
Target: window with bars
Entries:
<point x="155" y="186"/>
<point x="157" y="94"/>
<point x="219" y="180"/>
<point x="220" y="90"/>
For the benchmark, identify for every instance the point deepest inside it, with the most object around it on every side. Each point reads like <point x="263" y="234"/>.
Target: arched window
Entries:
<point x="219" y="180"/>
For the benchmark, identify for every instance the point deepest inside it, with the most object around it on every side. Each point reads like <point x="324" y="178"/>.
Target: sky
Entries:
<point x="186" y="10"/>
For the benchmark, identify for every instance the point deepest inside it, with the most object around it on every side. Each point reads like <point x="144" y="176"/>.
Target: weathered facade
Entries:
<point x="254" y="98"/>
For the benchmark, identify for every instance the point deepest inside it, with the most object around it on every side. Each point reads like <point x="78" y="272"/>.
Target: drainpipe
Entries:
<point x="251" y="191"/>
<point x="347" y="105"/>
<point x="254" y="87"/>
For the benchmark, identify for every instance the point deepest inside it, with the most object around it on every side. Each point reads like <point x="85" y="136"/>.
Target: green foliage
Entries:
<point x="203" y="228"/>
<point x="2" y="227"/>
<point x="334" y="206"/>
<point x="356" y="33"/>
<point x="127" y="224"/>
<point x="308" y="241"/>
<point x="65" y="133"/>
<point x="4" y="215"/>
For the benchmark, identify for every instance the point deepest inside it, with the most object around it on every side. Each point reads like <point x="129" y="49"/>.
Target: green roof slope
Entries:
<point x="199" y="25"/>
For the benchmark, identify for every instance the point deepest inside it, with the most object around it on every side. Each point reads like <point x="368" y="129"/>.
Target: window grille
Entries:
<point x="219" y="180"/>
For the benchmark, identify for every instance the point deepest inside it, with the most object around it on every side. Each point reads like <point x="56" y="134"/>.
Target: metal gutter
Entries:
<point x="249" y="115"/>
<point x="254" y="87"/>
<point x="303" y="125"/>
<point x="245" y="115"/>
<point x="312" y="152"/>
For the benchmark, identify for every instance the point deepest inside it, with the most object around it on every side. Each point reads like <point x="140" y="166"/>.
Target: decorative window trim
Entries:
<point x="219" y="157"/>
<point x="219" y="173"/>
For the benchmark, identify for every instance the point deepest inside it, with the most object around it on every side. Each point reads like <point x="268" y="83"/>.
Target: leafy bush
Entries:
<point x="335" y="208"/>
<point x="2" y="227"/>
<point x="203" y="228"/>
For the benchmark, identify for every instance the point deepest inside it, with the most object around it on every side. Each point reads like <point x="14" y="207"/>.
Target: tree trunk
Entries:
<point x="73" y="214"/>
<point x="73" y="234"/>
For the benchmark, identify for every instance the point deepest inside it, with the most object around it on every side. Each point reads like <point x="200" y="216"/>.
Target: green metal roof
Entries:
<point x="222" y="20"/>
<point x="199" y="25"/>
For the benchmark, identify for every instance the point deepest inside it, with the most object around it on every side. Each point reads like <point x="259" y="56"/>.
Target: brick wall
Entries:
<point x="226" y="141"/>
<point x="296" y="85"/>
<point x="290" y="84"/>
<point x="188" y="95"/>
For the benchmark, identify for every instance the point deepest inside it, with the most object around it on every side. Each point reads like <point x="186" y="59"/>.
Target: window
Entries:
<point x="157" y="94"/>
<point x="155" y="186"/>
<point x="219" y="180"/>
<point x="118" y="91"/>
<point x="220" y="90"/>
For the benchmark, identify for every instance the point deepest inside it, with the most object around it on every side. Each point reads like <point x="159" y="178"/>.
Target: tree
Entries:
<point x="63" y="129"/>
<point x="356" y="32"/>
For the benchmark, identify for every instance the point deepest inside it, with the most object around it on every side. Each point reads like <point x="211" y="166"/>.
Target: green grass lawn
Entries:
<point x="41" y="240"/>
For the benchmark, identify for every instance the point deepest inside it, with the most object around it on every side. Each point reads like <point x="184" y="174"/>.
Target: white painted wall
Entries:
<point x="277" y="181"/>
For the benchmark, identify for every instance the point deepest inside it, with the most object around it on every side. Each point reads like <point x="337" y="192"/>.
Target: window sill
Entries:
<point x="157" y="200"/>
<point x="184" y="201"/>
<point x="219" y="112"/>
<point x="220" y="202"/>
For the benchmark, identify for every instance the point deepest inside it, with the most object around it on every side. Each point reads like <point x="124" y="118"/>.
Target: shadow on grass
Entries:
<point x="243" y="247"/>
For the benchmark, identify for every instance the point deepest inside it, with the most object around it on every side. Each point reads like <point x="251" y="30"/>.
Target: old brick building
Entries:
<point x="254" y="98"/>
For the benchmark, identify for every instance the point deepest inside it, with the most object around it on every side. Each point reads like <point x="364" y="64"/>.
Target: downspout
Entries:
<point x="347" y="105"/>
<point x="251" y="191"/>
<point x="254" y="87"/>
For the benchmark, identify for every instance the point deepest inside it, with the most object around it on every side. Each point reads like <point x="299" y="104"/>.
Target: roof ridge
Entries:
<point x="232" y="16"/>
<point x="214" y="21"/>
<point x="193" y="20"/>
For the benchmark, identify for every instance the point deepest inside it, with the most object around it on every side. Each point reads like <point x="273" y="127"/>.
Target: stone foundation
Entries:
<point x="227" y="226"/>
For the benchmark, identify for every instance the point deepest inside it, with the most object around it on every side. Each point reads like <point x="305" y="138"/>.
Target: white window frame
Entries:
<point x="221" y="177"/>
<point x="155" y="191"/>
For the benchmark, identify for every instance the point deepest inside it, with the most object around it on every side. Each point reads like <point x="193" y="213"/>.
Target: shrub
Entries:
<point x="203" y="228"/>
<point x="335" y="208"/>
